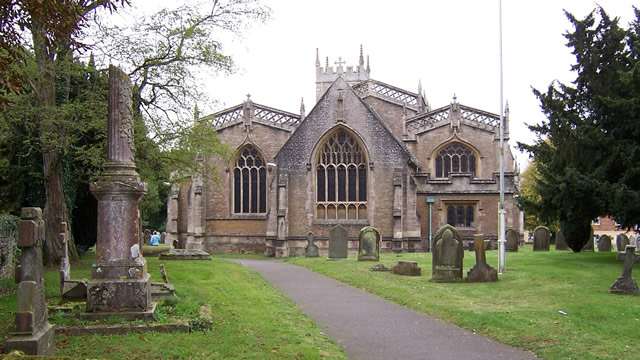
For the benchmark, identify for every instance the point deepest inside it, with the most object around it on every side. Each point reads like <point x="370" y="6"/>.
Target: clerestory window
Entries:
<point x="341" y="179"/>
<point x="249" y="183"/>
<point x="455" y="158"/>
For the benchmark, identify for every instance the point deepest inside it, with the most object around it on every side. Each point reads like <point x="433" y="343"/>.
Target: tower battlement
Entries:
<point x="325" y="76"/>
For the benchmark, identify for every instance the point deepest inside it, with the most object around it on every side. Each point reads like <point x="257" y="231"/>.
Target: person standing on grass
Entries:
<point x="155" y="239"/>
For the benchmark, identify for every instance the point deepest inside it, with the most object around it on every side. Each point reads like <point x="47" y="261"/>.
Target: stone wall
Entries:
<point x="8" y="234"/>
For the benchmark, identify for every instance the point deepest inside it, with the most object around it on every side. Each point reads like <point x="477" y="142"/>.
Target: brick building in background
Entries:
<point x="367" y="154"/>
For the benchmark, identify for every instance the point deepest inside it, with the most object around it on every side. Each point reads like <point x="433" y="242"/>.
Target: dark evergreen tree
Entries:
<point x="588" y="149"/>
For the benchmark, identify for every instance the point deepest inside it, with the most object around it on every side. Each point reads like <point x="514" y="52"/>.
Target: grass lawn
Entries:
<point x="521" y="309"/>
<point x="251" y="320"/>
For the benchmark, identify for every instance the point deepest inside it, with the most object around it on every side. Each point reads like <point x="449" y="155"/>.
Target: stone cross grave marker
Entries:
<point x="481" y="271"/>
<point x="447" y="255"/>
<point x="369" y="244"/>
<point x="312" y="249"/>
<point x="513" y="240"/>
<point x="621" y="244"/>
<point x="541" y="236"/>
<point x="625" y="284"/>
<point x="561" y="243"/>
<point x="33" y="334"/>
<point x="338" y="243"/>
<point x="604" y="244"/>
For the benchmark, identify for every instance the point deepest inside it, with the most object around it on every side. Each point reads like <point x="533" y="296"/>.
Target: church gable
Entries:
<point x="341" y="106"/>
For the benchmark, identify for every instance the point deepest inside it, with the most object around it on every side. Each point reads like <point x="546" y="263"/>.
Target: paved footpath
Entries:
<point x="369" y="327"/>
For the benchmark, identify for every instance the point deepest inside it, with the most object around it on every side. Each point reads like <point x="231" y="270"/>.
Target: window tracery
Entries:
<point x="249" y="183"/>
<point x="455" y="158"/>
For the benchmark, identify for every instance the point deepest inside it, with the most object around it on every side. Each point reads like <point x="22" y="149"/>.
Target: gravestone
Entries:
<point x="636" y="240"/>
<point x="590" y="245"/>
<point x="481" y="271"/>
<point x="604" y="244"/>
<point x="541" y="236"/>
<point x="447" y="255"/>
<point x="621" y="244"/>
<point x="561" y="243"/>
<point x="407" y="268"/>
<point x="69" y="289"/>
<point x="311" y="250"/>
<point x="369" y="244"/>
<point x="625" y="284"/>
<point x="163" y="273"/>
<point x="513" y="240"/>
<point x="185" y="254"/>
<point x="33" y="334"/>
<point x="338" y="243"/>
<point x="120" y="284"/>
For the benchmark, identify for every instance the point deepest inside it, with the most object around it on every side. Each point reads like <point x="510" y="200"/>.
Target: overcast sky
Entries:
<point x="451" y="46"/>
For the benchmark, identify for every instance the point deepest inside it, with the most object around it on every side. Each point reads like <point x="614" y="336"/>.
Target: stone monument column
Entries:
<point x="119" y="279"/>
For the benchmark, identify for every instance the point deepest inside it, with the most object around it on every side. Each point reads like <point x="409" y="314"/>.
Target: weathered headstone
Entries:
<point x="604" y="243"/>
<point x="369" y="244"/>
<point x="163" y="272"/>
<point x="33" y="334"/>
<point x="119" y="280"/>
<point x="407" y="268"/>
<point x="513" y="240"/>
<point x="561" y="243"/>
<point x="69" y="289"/>
<point x="481" y="271"/>
<point x="625" y="284"/>
<point x="447" y="255"/>
<point x="621" y="244"/>
<point x="541" y="236"/>
<point x="338" y="243"/>
<point x="312" y="249"/>
<point x="590" y="245"/>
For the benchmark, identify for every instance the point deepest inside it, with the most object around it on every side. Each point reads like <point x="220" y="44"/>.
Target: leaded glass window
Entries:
<point x="249" y="183"/>
<point x="341" y="179"/>
<point x="455" y="158"/>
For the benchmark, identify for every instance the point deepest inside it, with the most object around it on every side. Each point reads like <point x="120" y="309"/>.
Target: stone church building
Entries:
<point x="367" y="154"/>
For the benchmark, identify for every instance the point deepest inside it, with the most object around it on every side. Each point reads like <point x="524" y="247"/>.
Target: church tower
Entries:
<point x="327" y="75"/>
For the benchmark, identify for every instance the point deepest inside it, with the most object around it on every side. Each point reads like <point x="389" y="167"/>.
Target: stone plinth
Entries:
<point x="407" y="268"/>
<point x="185" y="254"/>
<point x="33" y="334"/>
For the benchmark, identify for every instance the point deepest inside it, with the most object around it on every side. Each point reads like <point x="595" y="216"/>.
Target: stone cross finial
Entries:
<point x="120" y="134"/>
<point x="481" y="272"/>
<point x="339" y="63"/>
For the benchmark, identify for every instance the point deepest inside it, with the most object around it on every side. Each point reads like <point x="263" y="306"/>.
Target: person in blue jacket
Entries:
<point x="155" y="239"/>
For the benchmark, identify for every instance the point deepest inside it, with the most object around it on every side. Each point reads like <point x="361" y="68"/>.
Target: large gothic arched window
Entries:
<point x="341" y="179"/>
<point x="249" y="183"/>
<point x="455" y="158"/>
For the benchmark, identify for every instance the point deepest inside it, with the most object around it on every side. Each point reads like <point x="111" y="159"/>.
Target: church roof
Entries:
<point x="261" y="114"/>
<point x="468" y="115"/>
<point x="387" y="92"/>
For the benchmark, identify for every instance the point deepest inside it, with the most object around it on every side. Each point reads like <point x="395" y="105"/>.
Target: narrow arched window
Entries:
<point x="455" y="158"/>
<point x="249" y="183"/>
<point x="341" y="179"/>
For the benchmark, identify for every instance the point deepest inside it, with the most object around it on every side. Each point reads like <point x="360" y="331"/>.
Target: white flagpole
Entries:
<point x="501" y="209"/>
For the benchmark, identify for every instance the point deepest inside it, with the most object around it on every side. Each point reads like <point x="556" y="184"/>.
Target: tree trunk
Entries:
<point x="51" y="141"/>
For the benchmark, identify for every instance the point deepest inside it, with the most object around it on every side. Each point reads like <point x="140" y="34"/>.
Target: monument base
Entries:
<point x="40" y="343"/>
<point x="146" y="315"/>
<point x="624" y="286"/>
<point x="483" y="273"/>
<point x="126" y="295"/>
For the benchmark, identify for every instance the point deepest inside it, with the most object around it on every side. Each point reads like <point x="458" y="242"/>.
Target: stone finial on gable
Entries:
<point x="302" y="110"/>
<point x="422" y="105"/>
<point x="506" y="120"/>
<point x="247" y="113"/>
<point x="340" y="106"/>
<point x="404" y="120"/>
<point x="454" y="114"/>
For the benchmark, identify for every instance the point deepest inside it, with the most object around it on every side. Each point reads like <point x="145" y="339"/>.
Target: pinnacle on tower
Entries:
<point x="326" y="64"/>
<point x="361" y="57"/>
<point x="317" y="57"/>
<point x="368" y="68"/>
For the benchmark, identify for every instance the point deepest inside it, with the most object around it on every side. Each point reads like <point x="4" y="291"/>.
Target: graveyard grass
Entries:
<point x="523" y="308"/>
<point x="251" y="320"/>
